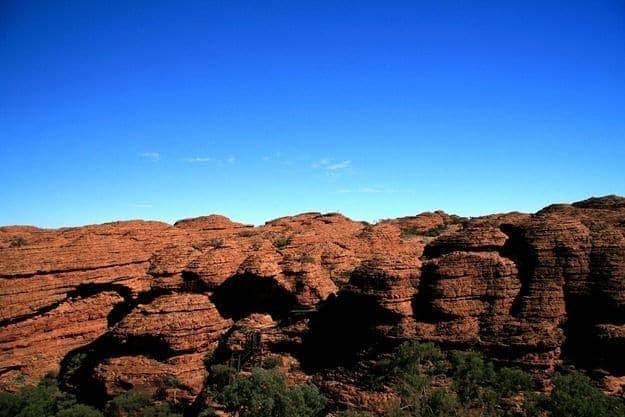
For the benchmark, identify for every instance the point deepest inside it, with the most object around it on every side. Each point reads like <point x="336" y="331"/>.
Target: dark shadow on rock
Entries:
<point x="244" y="294"/>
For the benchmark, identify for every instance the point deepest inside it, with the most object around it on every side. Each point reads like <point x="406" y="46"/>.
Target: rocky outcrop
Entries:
<point x="32" y="348"/>
<point x="141" y="304"/>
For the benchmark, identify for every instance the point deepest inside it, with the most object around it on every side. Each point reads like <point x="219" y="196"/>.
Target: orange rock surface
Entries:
<point x="141" y="301"/>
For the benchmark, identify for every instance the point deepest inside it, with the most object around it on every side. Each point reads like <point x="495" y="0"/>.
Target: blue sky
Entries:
<point x="165" y="110"/>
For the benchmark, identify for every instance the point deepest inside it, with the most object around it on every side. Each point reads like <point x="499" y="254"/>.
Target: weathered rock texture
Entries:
<point x="141" y="304"/>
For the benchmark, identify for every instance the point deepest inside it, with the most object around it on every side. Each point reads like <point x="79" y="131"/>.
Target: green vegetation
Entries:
<point x="282" y="242"/>
<point x="354" y="413"/>
<point x="264" y="393"/>
<point x="137" y="404"/>
<point x="410" y="231"/>
<point x="427" y="382"/>
<point x="436" y="230"/>
<point x="574" y="395"/>
<point x="18" y="242"/>
<point x="272" y="362"/>
<point x="209" y="359"/>
<point x="247" y="233"/>
<point x="217" y="243"/>
<point x="430" y="383"/>
<point x="47" y="400"/>
<point x="306" y="258"/>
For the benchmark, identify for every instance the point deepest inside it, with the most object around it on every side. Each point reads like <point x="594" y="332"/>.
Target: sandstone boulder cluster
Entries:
<point x="146" y="305"/>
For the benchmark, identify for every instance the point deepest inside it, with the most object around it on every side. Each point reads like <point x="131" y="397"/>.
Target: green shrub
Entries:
<point x="217" y="243"/>
<point x="247" y="233"/>
<point x="407" y="232"/>
<point x="414" y="356"/>
<point x="79" y="410"/>
<point x="209" y="359"/>
<point x="158" y="410"/>
<point x="509" y="381"/>
<point x="470" y="375"/>
<point x="354" y="413"/>
<point x="47" y="400"/>
<point x="272" y="362"/>
<point x="407" y="360"/>
<point x="436" y="230"/>
<point x="265" y="393"/>
<point x="440" y="403"/>
<point x="282" y="242"/>
<point x="136" y="403"/>
<point x="574" y="395"/>
<point x="43" y="400"/>
<point x="220" y="376"/>
<point x="395" y="409"/>
<point x="75" y="363"/>
<point x="129" y="404"/>
<point x="18" y="242"/>
<point x="306" y="258"/>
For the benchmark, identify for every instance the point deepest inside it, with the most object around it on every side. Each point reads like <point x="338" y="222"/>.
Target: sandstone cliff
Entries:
<point x="141" y="304"/>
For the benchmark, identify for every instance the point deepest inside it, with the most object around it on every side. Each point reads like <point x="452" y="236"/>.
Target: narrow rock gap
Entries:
<point x="587" y="308"/>
<point x="518" y="251"/>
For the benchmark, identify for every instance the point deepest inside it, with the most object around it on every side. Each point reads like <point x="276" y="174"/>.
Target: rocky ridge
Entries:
<point x="142" y="304"/>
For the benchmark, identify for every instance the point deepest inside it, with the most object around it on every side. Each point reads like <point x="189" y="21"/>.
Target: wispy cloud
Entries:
<point x="331" y="167"/>
<point x="328" y="164"/>
<point x="372" y="190"/>
<point x="231" y="159"/>
<point x="152" y="156"/>
<point x="337" y="166"/>
<point x="198" y="159"/>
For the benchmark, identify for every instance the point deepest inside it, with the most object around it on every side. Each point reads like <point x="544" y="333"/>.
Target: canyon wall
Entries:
<point x="140" y="304"/>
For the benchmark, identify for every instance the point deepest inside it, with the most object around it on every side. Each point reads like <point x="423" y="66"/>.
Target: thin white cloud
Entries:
<point x="338" y="166"/>
<point x="199" y="159"/>
<point x="152" y="156"/>
<point x="372" y="190"/>
<point x="331" y="167"/>
<point x="231" y="159"/>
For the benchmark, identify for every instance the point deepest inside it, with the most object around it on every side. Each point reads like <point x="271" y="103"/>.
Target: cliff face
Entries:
<point x="139" y="304"/>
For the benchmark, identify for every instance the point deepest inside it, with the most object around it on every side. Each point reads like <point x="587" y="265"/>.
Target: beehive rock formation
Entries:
<point x="141" y="304"/>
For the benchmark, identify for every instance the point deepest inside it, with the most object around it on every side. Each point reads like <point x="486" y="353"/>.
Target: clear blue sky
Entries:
<point x="257" y="109"/>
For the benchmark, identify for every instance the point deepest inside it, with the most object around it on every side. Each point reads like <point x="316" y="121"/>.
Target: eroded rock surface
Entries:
<point x="143" y="304"/>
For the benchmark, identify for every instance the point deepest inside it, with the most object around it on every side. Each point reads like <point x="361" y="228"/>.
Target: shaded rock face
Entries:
<point x="141" y="304"/>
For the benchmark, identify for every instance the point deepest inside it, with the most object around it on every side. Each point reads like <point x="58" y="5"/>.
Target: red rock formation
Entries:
<point x="32" y="348"/>
<point x="146" y="299"/>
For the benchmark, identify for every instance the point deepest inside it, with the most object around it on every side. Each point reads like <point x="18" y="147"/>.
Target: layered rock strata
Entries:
<point x="143" y="304"/>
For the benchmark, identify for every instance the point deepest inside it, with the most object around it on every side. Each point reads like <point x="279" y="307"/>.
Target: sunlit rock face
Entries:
<point x="140" y="304"/>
